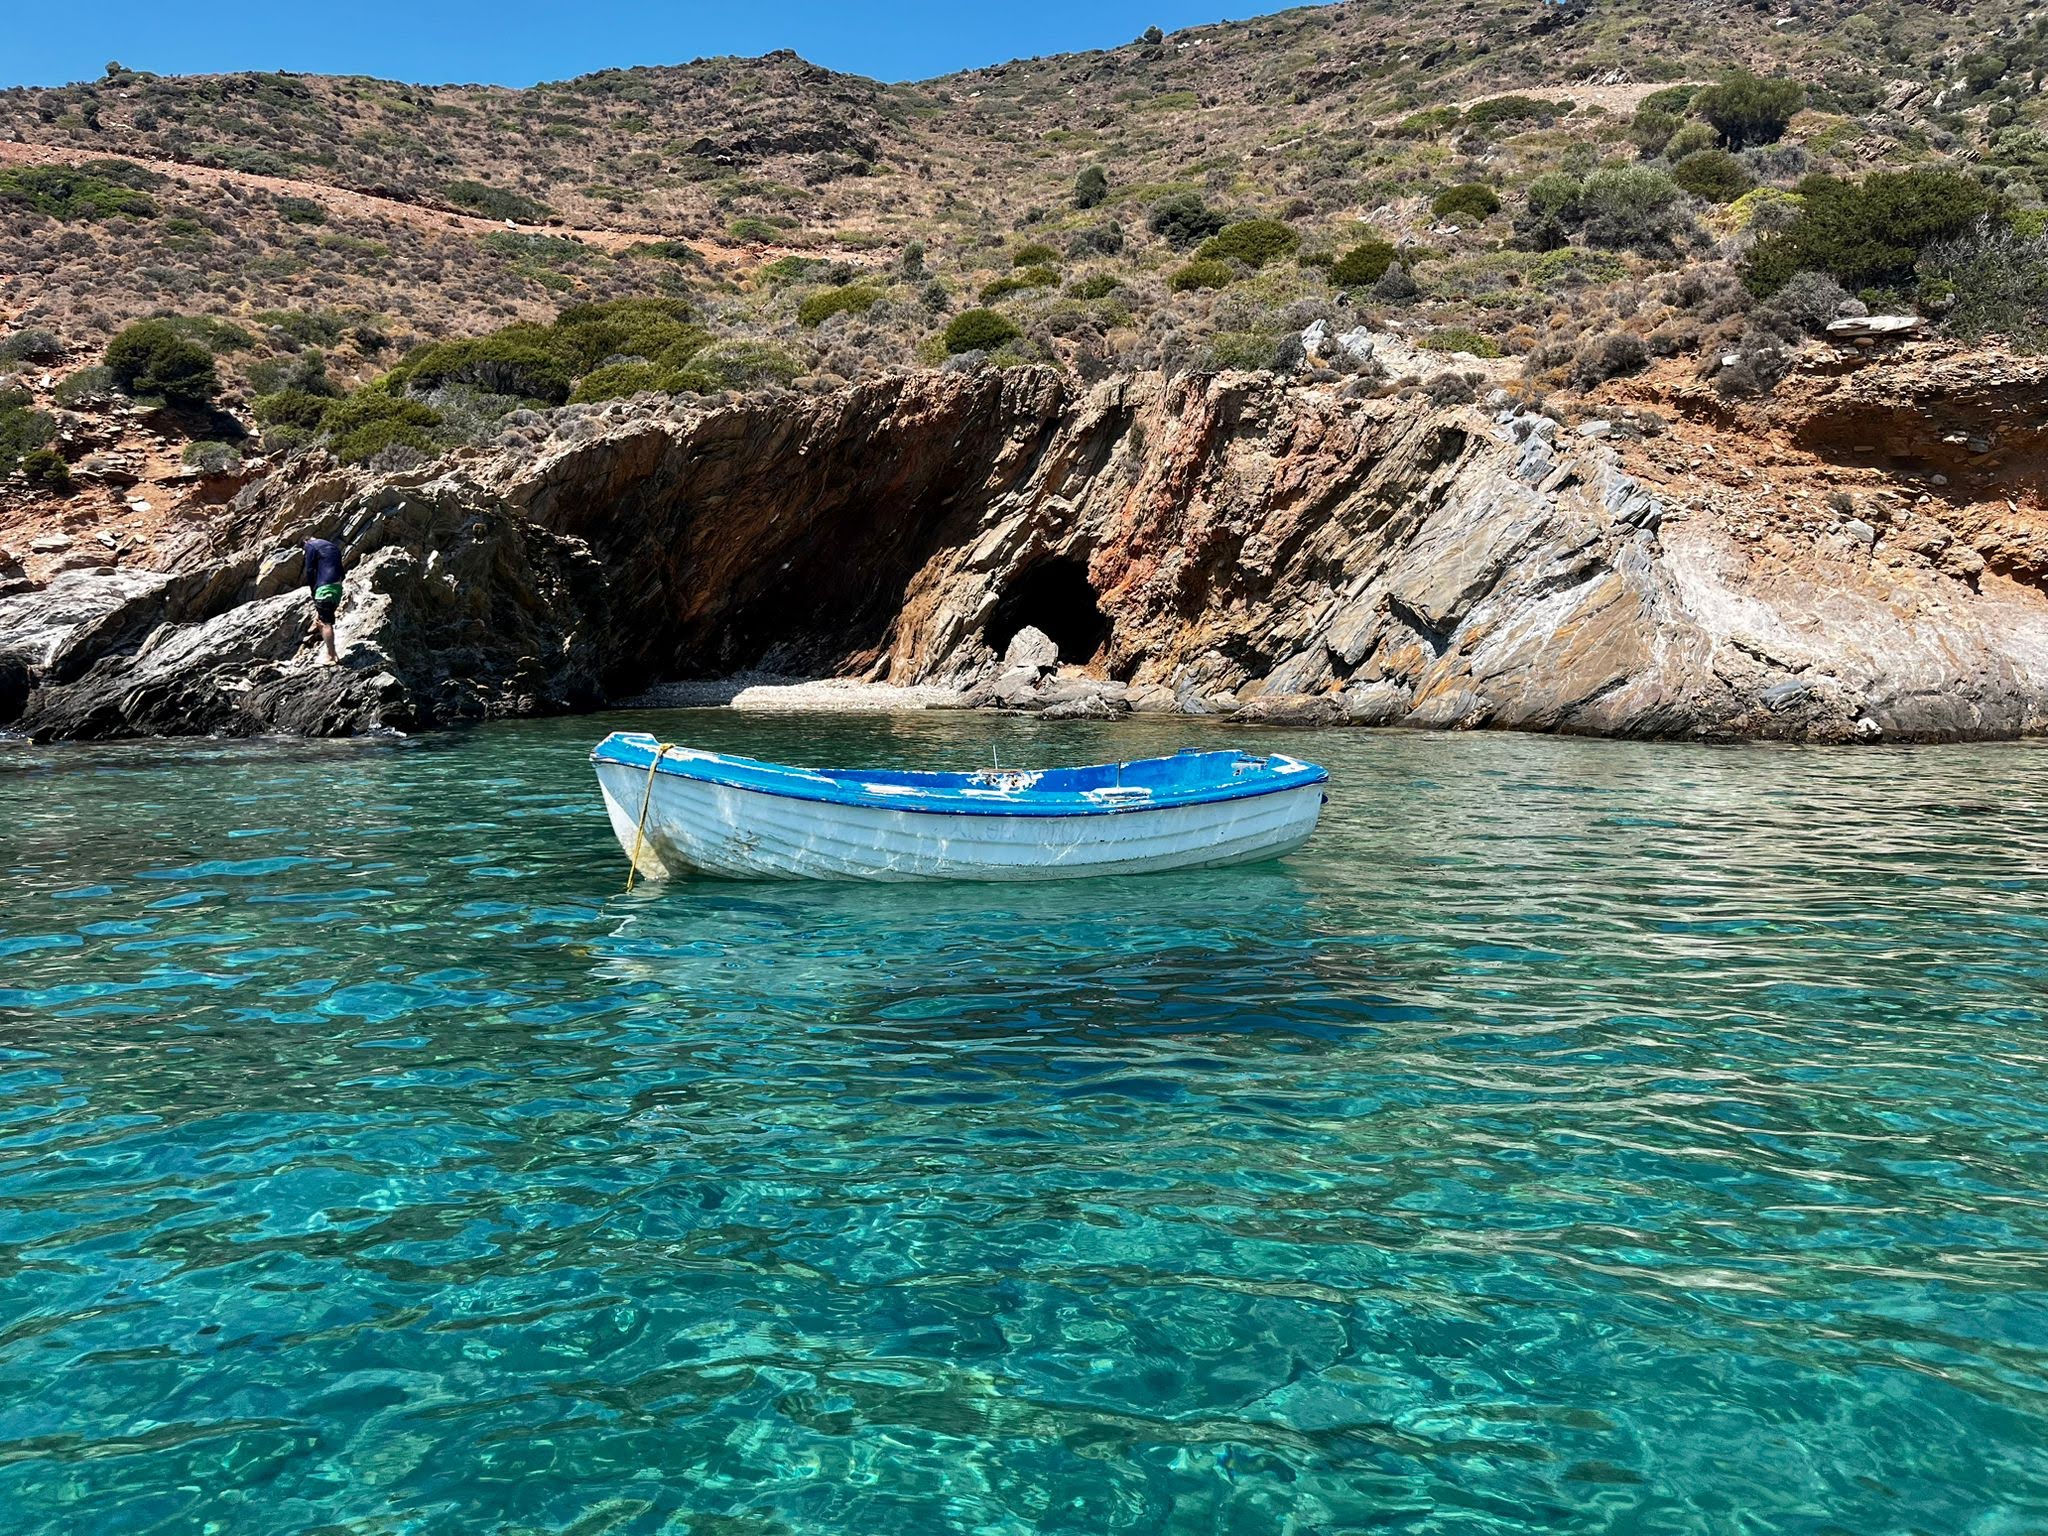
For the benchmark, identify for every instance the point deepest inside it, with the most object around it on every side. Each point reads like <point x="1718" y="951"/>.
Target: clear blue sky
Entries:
<point x="516" y="42"/>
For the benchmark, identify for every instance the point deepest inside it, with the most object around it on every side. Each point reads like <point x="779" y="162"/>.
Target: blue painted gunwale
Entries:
<point x="1186" y="778"/>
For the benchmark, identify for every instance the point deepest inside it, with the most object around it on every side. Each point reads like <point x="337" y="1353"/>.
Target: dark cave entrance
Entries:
<point x="1053" y="596"/>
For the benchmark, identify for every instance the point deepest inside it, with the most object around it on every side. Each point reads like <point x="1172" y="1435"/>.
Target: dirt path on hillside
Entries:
<point x="1615" y="98"/>
<point x="347" y="203"/>
<point x="1611" y="98"/>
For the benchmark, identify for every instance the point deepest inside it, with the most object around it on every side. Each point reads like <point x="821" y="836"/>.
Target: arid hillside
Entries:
<point x="1792" y="259"/>
<point x="754" y="185"/>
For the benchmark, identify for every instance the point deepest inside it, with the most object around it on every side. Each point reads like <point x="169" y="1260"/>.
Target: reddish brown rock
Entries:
<point x="1206" y="541"/>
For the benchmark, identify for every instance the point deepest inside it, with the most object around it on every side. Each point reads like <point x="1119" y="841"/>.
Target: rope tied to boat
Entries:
<point x="640" y="827"/>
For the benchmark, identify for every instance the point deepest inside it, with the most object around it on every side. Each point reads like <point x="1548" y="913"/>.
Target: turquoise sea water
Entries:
<point x="1575" y="1136"/>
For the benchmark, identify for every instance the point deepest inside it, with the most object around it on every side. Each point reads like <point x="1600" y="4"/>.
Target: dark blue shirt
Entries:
<point x="323" y="563"/>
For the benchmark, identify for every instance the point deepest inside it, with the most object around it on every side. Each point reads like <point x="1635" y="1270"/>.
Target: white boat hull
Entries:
<point x="718" y="829"/>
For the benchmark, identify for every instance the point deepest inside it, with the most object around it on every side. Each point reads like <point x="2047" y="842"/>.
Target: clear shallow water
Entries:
<point x="1574" y="1137"/>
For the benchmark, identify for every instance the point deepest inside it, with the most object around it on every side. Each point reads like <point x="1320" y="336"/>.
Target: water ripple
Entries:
<point x="1575" y="1137"/>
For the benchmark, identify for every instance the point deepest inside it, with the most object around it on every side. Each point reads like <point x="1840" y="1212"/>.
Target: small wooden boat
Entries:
<point x="677" y="810"/>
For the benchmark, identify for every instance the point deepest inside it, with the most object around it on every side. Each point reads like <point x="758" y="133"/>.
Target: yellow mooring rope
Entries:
<point x="640" y="826"/>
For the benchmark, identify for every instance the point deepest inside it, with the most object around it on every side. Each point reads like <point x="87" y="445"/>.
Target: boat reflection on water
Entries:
<point x="1235" y="950"/>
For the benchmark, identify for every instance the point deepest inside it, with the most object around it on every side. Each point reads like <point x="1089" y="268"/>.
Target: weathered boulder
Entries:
<point x="1381" y="702"/>
<point x="1291" y="709"/>
<point x="1031" y="648"/>
<point x="60" y="627"/>
<point x="453" y="610"/>
<point x="1087" y="706"/>
<point x="1860" y="327"/>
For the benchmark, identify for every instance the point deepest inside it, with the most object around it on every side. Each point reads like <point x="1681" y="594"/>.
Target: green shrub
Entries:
<point x="1806" y="303"/>
<point x="1184" y="220"/>
<point x="539" y="250"/>
<point x="1998" y="283"/>
<point x="1690" y="139"/>
<point x="1202" y="273"/>
<point x="1091" y="187"/>
<point x="518" y="361"/>
<point x="1510" y="109"/>
<point x="364" y="443"/>
<point x="305" y="371"/>
<point x="1472" y="199"/>
<point x="1673" y="98"/>
<point x="1650" y="131"/>
<point x="978" y="330"/>
<point x="372" y="419"/>
<point x="1631" y="208"/>
<point x="679" y="251"/>
<point x="659" y="330"/>
<point x="618" y="380"/>
<point x="737" y="365"/>
<point x="85" y="386"/>
<point x="1456" y="338"/>
<point x="1983" y="71"/>
<point x="1395" y="286"/>
<point x="1746" y="110"/>
<point x="45" y="470"/>
<point x="1428" y="123"/>
<point x="291" y="408"/>
<point x="218" y="336"/>
<point x="1713" y="175"/>
<point x="1099" y="285"/>
<point x="542" y="363"/>
<point x="1020" y="282"/>
<point x="1243" y="349"/>
<point x="300" y="210"/>
<point x="23" y="428"/>
<point x="753" y="231"/>
<point x="303" y="327"/>
<point x="584" y="343"/>
<point x="1574" y="268"/>
<point x="1036" y="254"/>
<point x="1552" y="208"/>
<point x="495" y="202"/>
<point x="1366" y="262"/>
<point x="1867" y="234"/>
<point x="1608" y="357"/>
<point x="151" y="361"/>
<point x="821" y="306"/>
<point x="1096" y="240"/>
<point x="2022" y="148"/>
<point x="211" y="458"/>
<point x="1764" y="209"/>
<point x="789" y="269"/>
<point x="1251" y="241"/>
<point x="98" y="189"/>
<point x="32" y="344"/>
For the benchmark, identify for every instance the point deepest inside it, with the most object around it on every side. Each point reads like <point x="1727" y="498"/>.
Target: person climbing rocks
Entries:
<point x="323" y="577"/>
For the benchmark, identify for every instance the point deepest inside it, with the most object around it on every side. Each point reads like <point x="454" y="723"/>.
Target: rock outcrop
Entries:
<point x="1207" y="544"/>
<point x="457" y="610"/>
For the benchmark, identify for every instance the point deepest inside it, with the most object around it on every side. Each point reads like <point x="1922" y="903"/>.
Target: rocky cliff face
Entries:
<point x="1211" y="543"/>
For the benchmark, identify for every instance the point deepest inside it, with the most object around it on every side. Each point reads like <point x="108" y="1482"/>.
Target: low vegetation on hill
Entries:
<point x="1579" y="191"/>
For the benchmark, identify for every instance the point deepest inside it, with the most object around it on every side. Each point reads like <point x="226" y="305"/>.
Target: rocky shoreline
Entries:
<point x="1226" y="544"/>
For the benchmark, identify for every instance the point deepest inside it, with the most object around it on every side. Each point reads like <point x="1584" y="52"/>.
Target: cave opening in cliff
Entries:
<point x="1055" y="597"/>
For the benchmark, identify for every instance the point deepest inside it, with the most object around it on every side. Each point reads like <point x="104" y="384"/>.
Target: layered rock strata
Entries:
<point x="1229" y="543"/>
